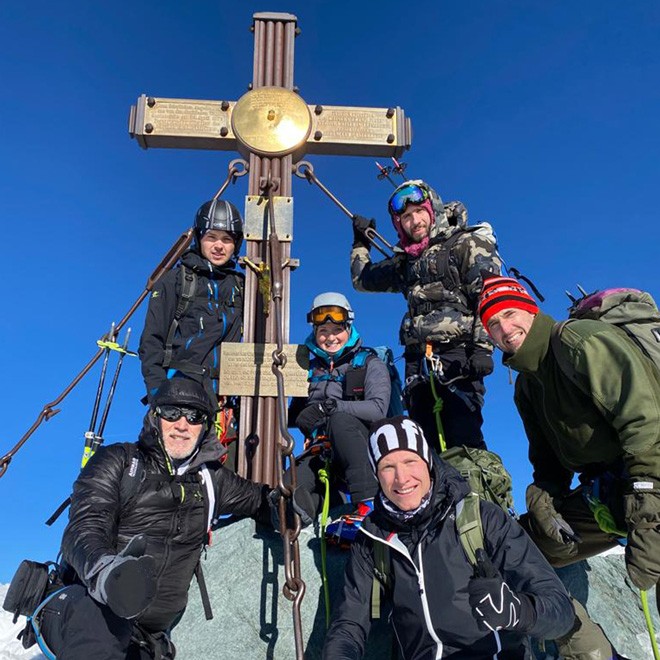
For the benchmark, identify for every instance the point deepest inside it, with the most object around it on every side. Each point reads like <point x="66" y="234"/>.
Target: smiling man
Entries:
<point x="140" y="517"/>
<point x="442" y="606"/>
<point x="437" y="266"/>
<point x="590" y="403"/>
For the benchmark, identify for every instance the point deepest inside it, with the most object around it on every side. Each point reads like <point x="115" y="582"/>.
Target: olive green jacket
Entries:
<point x="607" y="413"/>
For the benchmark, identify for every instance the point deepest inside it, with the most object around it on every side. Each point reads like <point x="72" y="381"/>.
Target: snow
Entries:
<point x="10" y="647"/>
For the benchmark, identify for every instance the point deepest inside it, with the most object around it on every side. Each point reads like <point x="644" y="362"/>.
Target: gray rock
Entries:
<point x="252" y="619"/>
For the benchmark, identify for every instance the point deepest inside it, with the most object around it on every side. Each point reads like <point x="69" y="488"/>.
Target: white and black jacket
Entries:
<point x="431" y="615"/>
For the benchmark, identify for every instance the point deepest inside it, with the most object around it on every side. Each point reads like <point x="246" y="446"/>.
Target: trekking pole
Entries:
<point x="649" y="623"/>
<point x="49" y="410"/>
<point x="304" y="170"/>
<point x="94" y="438"/>
<point x="105" y="344"/>
<point x="97" y="436"/>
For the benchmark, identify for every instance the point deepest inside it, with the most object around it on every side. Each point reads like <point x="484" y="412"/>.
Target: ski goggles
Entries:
<point x="174" y="413"/>
<point x="410" y="194"/>
<point x="332" y="313"/>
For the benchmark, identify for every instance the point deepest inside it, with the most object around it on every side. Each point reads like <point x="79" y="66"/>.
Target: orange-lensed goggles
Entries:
<point x="327" y="313"/>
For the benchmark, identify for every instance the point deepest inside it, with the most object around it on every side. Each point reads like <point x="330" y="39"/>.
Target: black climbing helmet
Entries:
<point x="222" y="215"/>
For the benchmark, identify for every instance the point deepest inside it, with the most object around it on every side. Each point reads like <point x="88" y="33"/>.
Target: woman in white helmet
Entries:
<point x="349" y="388"/>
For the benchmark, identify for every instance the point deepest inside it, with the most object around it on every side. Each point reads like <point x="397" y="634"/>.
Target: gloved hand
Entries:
<point x="125" y="582"/>
<point x="360" y="226"/>
<point x="301" y="502"/>
<point x="496" y="606"/>
<point x="311" y="417"/>
<point x="480" y="363"/>
<point x="554" y="536"/>
<point x="642" y="513"/>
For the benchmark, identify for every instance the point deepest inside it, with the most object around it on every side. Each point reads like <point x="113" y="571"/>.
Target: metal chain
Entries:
<point x="294" y="587"/>
<point x="167" y="263"/>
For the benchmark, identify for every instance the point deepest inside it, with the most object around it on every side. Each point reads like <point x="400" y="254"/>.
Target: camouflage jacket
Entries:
<point x="442" y="285"/>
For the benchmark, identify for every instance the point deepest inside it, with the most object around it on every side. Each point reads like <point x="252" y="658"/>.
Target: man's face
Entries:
<point x="416" y="222"/>
<point x="217" y="246"/>
<point x="404" y="477"/>
<point x="331" y="337"/>
<point x="180" y="437"/>
<point x="509" y="328"/>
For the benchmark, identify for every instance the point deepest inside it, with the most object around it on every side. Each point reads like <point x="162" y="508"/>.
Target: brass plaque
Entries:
<point x="246" y="370"/>
<point x="257" y="218"/>
<point x="271" y="121"/>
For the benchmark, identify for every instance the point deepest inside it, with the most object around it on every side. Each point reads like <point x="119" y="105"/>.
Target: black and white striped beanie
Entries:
<point x="394" y="433"/>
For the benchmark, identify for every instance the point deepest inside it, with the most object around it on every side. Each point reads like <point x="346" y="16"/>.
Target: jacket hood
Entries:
<point x="354" y="342"/>
<point x="440" y="222"/>
<point x="194" y="260"/>
<point x="208" y="450"/>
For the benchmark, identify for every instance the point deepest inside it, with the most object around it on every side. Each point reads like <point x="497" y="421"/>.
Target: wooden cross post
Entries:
<point x="273" y="128"/>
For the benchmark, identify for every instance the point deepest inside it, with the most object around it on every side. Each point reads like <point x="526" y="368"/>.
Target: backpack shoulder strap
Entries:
<point x="469" y="526"/>
<point x="188" y="279"/>
<point x="381" y="576"/>
<point x="361" y="357"/>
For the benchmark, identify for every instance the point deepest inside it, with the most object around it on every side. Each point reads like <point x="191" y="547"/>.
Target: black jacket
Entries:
<point x="213" y="316"/>
<point x="172" y="511"/>
<point x="431" y="614"/>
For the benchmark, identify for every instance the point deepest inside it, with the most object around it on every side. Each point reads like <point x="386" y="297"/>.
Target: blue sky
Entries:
<point x="541" y="117"/>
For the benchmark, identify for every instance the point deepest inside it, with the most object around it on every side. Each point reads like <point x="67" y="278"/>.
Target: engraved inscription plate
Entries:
<point x="354" y="125"/>
<point x="271" y="121"/>
<point x="246" y="370"/>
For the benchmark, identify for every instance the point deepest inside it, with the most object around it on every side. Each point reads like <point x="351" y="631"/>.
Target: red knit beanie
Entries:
<point x="500" y="293"/>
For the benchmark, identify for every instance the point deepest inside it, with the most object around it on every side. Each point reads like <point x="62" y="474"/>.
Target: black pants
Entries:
<point x="76" y="627"/>
<point x="350" y="461"/>
<point x="461" y="412"/>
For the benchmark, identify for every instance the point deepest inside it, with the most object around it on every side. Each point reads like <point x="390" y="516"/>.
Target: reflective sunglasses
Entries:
<point x="332" y="313"/>
<point x="410" y="194"/>
<point x="173" y="413"/>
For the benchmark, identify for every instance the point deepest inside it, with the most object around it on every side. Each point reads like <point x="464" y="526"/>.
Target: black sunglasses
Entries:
<point x="173" y="413"/>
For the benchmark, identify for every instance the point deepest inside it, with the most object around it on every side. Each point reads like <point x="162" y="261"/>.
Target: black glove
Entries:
<point x="301" y="502"/>
<point x="360" y="226"/>
<point x="495" y="605"/>
<point x="310" y="418"/>
<point x="480" y="363"/>
<point x="125" y="582"/>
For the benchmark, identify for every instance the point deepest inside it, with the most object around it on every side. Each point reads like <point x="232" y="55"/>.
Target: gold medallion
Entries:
<point x="271" y="121"/>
